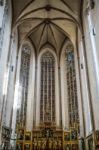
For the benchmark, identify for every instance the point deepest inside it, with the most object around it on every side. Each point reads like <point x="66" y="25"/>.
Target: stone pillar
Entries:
<point x="11" y="82"/>
<point x="94" y="49"/>
<point x="57" y="97"/>
<point x="64" y="99"/>
<point x="60" y="104"/>
<point x="30" y="100"/>
<point x="5" y="22"/>
<point x="79" y="88"/>
<point x="85" y="92"/>
<point x="35" y="94"/>
<point x="16" y="98"/>
<point x="4" y="48"/>
<point x="38" y="96"/>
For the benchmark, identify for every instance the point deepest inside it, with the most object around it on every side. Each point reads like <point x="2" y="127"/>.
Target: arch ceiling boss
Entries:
<point x="47" y="21"/>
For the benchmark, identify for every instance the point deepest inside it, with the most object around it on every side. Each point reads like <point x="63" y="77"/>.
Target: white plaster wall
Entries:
<point x="91" y="41"/>
<point x="16" y="103"/>
<point x="84" y="86"/>
<point x="95" y="22"/>
<point x="11" y="82"/>
<point x="4" y="54"/>
<point x="31" y="87"/>
<point x="64" y="94"/>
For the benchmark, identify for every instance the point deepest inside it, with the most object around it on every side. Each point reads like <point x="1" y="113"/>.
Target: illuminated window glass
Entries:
<point x="47" y="97"/>
<point x="72" y="87"/>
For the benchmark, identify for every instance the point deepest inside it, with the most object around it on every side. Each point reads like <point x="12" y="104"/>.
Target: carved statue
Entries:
<point x="54" y="145"/>
<point x="44" y="145"/>
<point x="50" y="144"/>
<point x="39" y="145"/>
<point x="35" y="145"/>
<point x="59" y="145"/>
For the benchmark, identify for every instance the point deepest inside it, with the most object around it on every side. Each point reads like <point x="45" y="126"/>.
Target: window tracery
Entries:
<point x="72" y="87"/>
<point x="47" y="97"/>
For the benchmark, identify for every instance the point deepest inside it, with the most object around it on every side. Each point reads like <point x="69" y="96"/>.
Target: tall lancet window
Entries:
<point x="24" y="79"/>
<point x="72" y="87"/>
<point x="47" y="97"/>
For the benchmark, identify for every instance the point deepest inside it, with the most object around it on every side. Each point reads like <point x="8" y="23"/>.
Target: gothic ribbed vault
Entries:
<point x="46" y="21"/>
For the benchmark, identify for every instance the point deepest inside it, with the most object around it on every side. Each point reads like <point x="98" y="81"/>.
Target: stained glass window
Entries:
<point x="47" y="97"/>
<point x="24" y="78"/>
<point x="72" y="87"/>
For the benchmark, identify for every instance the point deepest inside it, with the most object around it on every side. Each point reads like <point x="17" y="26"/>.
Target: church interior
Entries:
<point x="49" y="74"/>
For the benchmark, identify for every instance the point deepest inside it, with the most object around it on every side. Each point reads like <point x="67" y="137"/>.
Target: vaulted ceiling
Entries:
<point x="46" y="21"/>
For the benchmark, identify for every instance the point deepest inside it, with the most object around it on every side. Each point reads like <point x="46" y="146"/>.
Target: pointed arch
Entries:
<point x="50" y="54"/>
